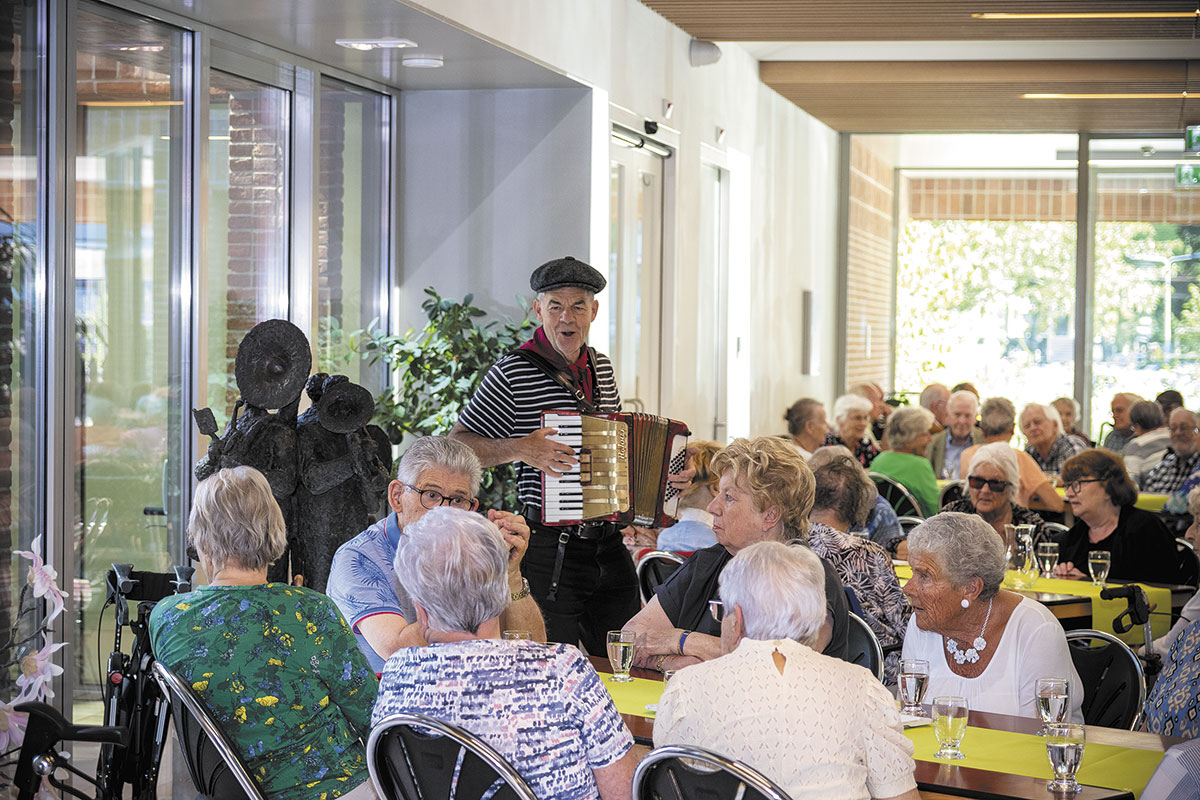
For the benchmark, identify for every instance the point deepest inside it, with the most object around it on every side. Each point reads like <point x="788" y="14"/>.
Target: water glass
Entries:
<point x="1099" y="563"/>
<point x="514" y="636"/>
<point x="620" y="655"/>
<point x="1064" y="746"/>
<point x="914" y="678"/>
<point x="1047" y="556"/>
<point x="949" y="725"/>
<point x="1053" y="699"/>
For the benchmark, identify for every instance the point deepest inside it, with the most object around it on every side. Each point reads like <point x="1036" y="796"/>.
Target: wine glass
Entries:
<point x="949" y="725"/>
<point x="1099" y="563"/>
<point x="1047" y="556"/>
<point x="1053" y="698"/>
<point x="620" y="655"/>
<point x="514" y="636"/>
<point x="914" y="677"/>
<point x="1064" y="746"/>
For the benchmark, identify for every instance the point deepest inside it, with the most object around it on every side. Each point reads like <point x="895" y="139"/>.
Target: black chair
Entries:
<point x="213" y="762"/>
<point x="900" y="498"/>
<point x="414" y="757"/>
<point x="950" y="493"/>
<point x="862" y="646"/>
<point x="1052" y="532"/>
<point x="653" y="569"/>
<point x="908" y="523"/>
<point x="678" y="772"/>
<point x="1189" y="562"/>
<point x="1114" y="686"/>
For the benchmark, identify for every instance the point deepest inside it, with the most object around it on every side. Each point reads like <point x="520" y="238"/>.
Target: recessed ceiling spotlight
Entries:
<point x="421" y="62"/>
<point x="390" y="43"/>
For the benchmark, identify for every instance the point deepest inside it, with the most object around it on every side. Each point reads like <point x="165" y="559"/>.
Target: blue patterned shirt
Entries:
<point x="1173" y="708"/>
<point x="542" y="707"/>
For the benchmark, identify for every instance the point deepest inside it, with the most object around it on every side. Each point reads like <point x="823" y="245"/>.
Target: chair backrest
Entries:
<point x="1114" y="686"/>
<point x="214" y="764"/>
<point x="680" y="772"/>
<point x="415" y="757"/>
<point x="1189" y="563"/>
<point x="654" y="568"/>
<point x="950" y="493"/>
<point x="1052" y="532"/>
<point x="908" y="523"/>
<point x="900" y="498"/>
<point x="862" y="646"/>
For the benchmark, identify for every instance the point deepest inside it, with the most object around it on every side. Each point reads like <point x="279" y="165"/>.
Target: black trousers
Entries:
<point x="597" y="588"/>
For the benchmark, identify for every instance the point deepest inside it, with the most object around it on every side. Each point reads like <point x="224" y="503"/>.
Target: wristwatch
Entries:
<point x="521" y="595"/>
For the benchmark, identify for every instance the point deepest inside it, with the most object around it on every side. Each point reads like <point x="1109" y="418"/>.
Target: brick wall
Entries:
<point x="869" y="267"/>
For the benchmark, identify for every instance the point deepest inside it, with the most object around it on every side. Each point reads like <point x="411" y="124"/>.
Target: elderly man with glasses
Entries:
<point x="435" y="471"/>
<point x="1182" y="458"/>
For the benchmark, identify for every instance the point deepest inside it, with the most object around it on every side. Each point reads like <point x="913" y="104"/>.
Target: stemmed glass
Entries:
<point x="620" y="655"/>
<point x="1064" y="746"/>
<point x="914" y="677"/>
<point x="949" y="725"/>
<point x="1047" y="555"/>
<point x="1099" y="563"/>
<point x="1053" y="699"/>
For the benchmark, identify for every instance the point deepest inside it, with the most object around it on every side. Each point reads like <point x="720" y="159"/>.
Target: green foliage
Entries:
<point x="436" y="371"/>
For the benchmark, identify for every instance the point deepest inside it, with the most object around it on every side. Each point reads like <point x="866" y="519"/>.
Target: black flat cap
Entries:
<point x="564" y="272"/>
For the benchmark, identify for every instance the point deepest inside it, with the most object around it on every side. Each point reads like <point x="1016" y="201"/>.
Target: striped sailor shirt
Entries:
<point x="510" y="401"/>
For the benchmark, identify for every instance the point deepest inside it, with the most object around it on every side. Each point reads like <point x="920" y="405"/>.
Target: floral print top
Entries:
<point x="280" y="672"/>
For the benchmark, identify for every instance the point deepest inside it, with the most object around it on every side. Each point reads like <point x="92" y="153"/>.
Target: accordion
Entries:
<point x="624" y="460"/>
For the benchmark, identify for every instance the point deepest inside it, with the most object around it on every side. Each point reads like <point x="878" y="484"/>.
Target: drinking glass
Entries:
<point x="914" y="677"/>
<point x="517" y="635"/>
<point x="620" y="655"/>
<point x="1099" y="563"/>
<point x="1064" y="746"/>
<point x="1053" y="700"/>
<point x="668" y="674"/>
<point x="949" y="725"/>
<point x="1047" y="556"/>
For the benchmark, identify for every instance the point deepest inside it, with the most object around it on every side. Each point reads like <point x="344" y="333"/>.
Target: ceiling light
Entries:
<point x="389" y="43"/>
<point x="1004" y="16"/>
<point x="1110" y="96"/>
<point x="136" y="47"/>
<point x="421" y="62"/>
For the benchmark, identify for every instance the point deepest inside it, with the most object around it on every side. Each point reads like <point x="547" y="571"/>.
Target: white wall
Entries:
<point x="783" y="166"/>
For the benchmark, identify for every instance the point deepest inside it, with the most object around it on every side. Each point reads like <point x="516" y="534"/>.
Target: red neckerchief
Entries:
<point x="579" y="372"/>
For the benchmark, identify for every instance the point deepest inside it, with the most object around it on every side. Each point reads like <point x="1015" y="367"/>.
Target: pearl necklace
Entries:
<point x="972" y="653"/>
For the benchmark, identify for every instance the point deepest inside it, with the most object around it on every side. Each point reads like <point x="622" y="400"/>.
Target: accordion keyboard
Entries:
<point x="599" y="484"/>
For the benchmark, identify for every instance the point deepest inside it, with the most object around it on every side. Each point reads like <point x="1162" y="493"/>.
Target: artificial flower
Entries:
<point x="38" y="671"/>
<point x="43" y="578"/>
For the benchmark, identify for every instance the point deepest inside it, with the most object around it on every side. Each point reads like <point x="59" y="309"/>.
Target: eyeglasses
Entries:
<point x="717" y="609"/>
<point x="1183" y="429"/>
<point x="431" y="499"/>
<point x="995" y="484"/>
<point x="1074" y="486"/>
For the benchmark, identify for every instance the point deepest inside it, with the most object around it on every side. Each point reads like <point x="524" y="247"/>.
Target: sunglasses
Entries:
<point x="993" y="484"/>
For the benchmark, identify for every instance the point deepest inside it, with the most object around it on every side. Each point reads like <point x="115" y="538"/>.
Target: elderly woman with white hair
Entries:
<point x="851" y="419"/>
<point x="983" y="643"/>
<point x="542" y="707"/>
<point x="837" y="735"/>
<point x="276" y="665"/>
<point x="908" y="436"/>
<point x="992" y="482"/>
<point x="1047" y="444"/>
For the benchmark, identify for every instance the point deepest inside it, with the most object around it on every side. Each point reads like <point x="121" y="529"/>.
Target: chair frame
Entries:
<point x="172" y="688"/>
<point x="752" y="778"/>
<point x="875" y="649"/>
<point x="1127" y="652"/>
<point x="485" y="752"/>
<point x="1183" y="545"/>
<point x="906" y="495"/>
<point x="647" y="558"/>
<point x="1051" y="530"/>
<point x="960" y="485"/>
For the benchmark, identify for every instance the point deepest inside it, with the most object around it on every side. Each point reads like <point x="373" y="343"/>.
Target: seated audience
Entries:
<point x="806" y="425"/>
<point x="1046" y="443"/>
<point x="1173" y="707"/>
<point x="934" y="398"/>
<point x="1191" y="610"/>
<point x="904" y="460"/>
<point x="540" y="706"/>
<point x="1181" y="459"/>
<point x="946" y="448"/>
<point x="694" y="530"/>
<point x="998" y="422"/>
<point x="851" y="417"/>
<point x="816" y="726"/>
<point x="880" y="410"/>
<point x="992" y="489"/>
<point x="435" y="471"/>
<point x="1169" y="400"/>
<point x="1150" y="441"/>
<point x="1122" y="430"/>
<point x="1068" y="413"/>
<point x="982" y="642"/>
<point x="275" y="665"/>
<point x="765" y="495"/>
<point x="843" y="497"/>
<point x="1102" y="495"/>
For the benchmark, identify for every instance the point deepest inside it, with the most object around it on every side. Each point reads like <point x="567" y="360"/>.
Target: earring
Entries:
<point x="966" y="603"/>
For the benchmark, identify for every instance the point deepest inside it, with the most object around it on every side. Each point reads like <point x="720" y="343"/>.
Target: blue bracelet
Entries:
<point x="682" y="638"/>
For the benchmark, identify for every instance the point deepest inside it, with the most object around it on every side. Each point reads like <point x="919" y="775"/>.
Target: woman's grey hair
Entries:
<point x="1003" y="458"/>
<point x="1069" y="400"/>
<point x="965" y="546"/>
<point x="842" y="486"/>
<point x="1147" y="415"/>
<point x="850" y="402"/>
<point x="1193" y="502"/>
<point x="1051" y="414"/>
<point x="780" y="589"/>
<point x="235" y="520"/>
<point x="907" y="424"/>
<point x="440" y="451"/>
<point x="997" y="416"/>
<point x="454" y="564"/>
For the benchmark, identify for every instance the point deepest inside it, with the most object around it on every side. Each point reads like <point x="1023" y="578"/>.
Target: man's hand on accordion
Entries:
<point x="682" y="481"/>
<point x="551" y="457"/>
<point x="515" y="530"/>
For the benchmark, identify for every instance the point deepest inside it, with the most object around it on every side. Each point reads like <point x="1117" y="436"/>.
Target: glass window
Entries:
<point x="131" y="118"/>
<point x="353" y="224"/>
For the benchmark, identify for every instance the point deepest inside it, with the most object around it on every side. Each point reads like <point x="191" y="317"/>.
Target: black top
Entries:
<point x="684" y="597"/>
<point x="1142" y="548"/>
